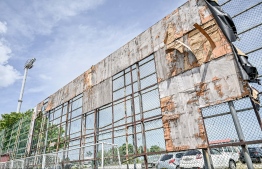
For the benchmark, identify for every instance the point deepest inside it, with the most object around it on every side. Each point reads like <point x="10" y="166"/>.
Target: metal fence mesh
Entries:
<point x="106" y="157"/>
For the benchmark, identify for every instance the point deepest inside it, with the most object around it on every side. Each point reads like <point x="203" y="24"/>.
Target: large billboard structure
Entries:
<point x="182" y="63"/>
<point x="147" y="96"/>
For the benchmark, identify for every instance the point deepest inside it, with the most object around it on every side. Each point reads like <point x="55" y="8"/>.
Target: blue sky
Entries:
<point x="66" y="38"/>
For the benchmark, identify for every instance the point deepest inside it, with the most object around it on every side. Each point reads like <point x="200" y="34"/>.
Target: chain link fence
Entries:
<point x="106" y="157"/>
<point x="233" y="136"/>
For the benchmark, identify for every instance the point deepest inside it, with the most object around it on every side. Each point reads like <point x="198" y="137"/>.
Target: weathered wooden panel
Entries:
<point x="97" y="95"/>
<point x="204" y="13"/>
<point x="160" y="60"/>
<point x="39" y="106"/>
<point x="158" y="32"/>
<point x="88" y="75"/>
<point x="133" y="54"/>
<point x="120" y="59"/>
<point x="195" y="51"/>
<point x="189" y="15"/>
<point x="145" y="44"/>
<point x="183" y="95"/>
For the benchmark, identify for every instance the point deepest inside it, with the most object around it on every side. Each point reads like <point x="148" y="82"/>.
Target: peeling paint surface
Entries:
<point x="182" y="95"/>
<point x="190" y="75"/>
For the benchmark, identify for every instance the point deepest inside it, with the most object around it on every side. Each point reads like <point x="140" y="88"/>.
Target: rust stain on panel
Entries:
<point x="175" y="63"/>
<point x="166" y="119"/>
<point x="190" y="60"/>
<point x="206" y="35"/>
<point x="181" y="148"/>
<point x="215" y="79"/>
<point x="169" y="145"/>
<point x="202" y="146"/>
<point x="167" y="105"/>
<point x="207" y="44"/>
<point x="50" y="104"/>
<point x="170" y="34"/>
<point x="88" y="78"/>
<point x="39" y="107"/>
<point x="200" y="89"/>
<point x="170" y="117"/>
<point x="201" y="46"/>
<point x="218" y="89"/>
<point x="205" y="14"/>
<point x="202" y="133"/>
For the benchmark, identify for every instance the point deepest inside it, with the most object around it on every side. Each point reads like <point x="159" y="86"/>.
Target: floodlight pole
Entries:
<point x="28" y="65"/>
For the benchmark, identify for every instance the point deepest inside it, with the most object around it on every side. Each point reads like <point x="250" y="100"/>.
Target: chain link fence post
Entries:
<point x="207" y="159"/>
<point x="240" y="134"/>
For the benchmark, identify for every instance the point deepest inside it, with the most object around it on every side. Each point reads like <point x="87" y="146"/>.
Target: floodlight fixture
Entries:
<point x="28" y="65"/>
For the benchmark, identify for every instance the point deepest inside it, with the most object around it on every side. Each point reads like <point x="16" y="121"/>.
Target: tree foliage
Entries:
<point x="155" y="148"/>
<point x="8" y="120"/>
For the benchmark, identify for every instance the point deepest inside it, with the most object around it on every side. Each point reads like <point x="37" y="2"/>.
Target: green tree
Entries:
<point x="6" y="125"/>
<point x="7" y="120"/>
<point x="122" y="149"/>
<point x="155" y="148"/>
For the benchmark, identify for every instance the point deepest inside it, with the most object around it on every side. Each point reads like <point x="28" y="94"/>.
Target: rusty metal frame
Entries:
<point x="138" y="95"/>
<point x="238" y="143"/>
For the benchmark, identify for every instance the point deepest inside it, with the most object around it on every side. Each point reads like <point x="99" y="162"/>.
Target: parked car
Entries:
<point x="194" y="159"/>
<point x="232" y="152"/>
<point x="152" y="161"/>
<point x="170" y="161"/>
<point x="255" y="155"/>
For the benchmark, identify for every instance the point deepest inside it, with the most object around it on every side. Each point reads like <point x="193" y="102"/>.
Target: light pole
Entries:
<point x="28" y="65"/>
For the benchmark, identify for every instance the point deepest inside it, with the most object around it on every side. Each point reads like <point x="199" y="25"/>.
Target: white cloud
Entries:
<point x="38" y="89"/>
<point x="40" y="17"/>
<point x="4" y="52"/>
<point x="3" y="27"/>
<point x="8" y="75"/>
<point x="45" y="77"/>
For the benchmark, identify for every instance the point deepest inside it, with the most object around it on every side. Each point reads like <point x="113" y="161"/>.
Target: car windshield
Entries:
<point x="192" y="152"/>
<point x="166" y="157"/>
<point x="179" y="155"/>
<point x="254" y="149"/>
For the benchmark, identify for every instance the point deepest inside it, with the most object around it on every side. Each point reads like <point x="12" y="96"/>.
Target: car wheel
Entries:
<point x="232" y="164"/>
<point x="259" y="160"/>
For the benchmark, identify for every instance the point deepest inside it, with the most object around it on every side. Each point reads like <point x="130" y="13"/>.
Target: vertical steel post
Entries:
<point x="142" y="116"/>
<point x="240" y="135"/>
<point x="134" y="117"/>
<point x="30" y="134"/>
<point x="22" y="92"/>
<point x="207" y="159"/>
<point x="118" y="155"/>
<point x="127" y="158"/>
<point x="102" y="155"/>
<point x="46" y="132"/>
<point x="43" y="161"/>
<point x="12" y="163"/>
<point x="96" y="135"/>
<point x="256" y="112"/>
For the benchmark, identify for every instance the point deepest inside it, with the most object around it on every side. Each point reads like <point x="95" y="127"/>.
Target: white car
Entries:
<point x="232" y="152"/>
<point x="170" y="161"/>
<point x="194" y="159"/>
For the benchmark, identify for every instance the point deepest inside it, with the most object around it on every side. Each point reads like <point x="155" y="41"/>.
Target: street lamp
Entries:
<point x="28" y="65"/>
